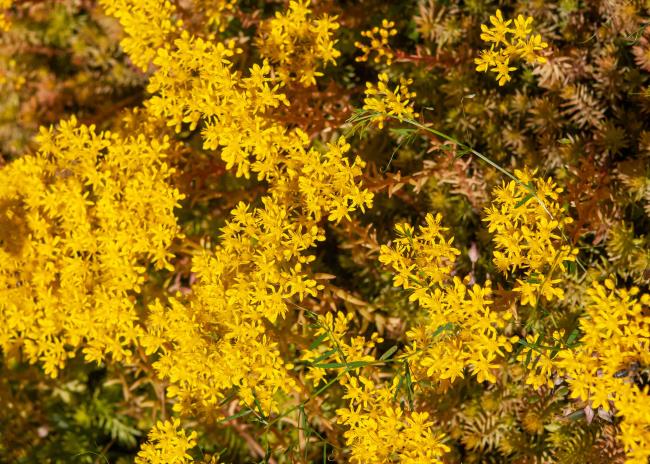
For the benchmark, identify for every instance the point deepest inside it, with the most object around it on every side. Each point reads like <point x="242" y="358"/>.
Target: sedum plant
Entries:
<point x="296" y="231"/>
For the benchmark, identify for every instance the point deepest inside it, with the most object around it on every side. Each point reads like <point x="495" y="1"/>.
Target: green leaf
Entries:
<point x="462" y="152"/>
<point x="532" y="278"/>
<point x="409" y="384"/>
<point x="318" y="341"/>
<point x="325" y="355"/>
<point x="576" y="415"/>
<point x="258" y="405"/>
<point x="243" y="413"/>
<point x="527" y="360"/>
<point x="388" y="353"/>
<point x="524" y="200"/>
<point x="443" y="328"/>
<point x="518" y="347"/>
<point x="399" y="387"/>
<point x="402" y="131"/>
<point x="572" y="337"/>
<point x="350" y="365"/>
<point x="570" y="267"/>
<point x="562" y="391"/>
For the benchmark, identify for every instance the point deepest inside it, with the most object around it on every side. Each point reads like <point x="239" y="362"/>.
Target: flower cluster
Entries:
<point x="528" y="222"/>
<point x="459" y="329"/>
<point x="227" y="313"/>
<point x="333" y="350"/>
<point x="167" y="444"/>
<point x="540" y="367"/>
<point x="218" y="12"/>
<point x="378" y="37"/>
<point x="378" y="428"/>
<point x="507" y="43"/>
<point x="298" y="45"/>
<point x="249" y="279"/>
<point x="615" y="341"/>
<point x="147" y="24"/>
<point x="219" y="339"/>
<point x="384" y="103"/>
<point x="602" y="367"/>
<point x="81" y="221"/>
<point x="325" y="182"/>
<point x="380" y="431"/>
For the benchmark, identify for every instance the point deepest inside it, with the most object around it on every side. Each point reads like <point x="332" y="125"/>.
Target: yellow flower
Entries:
<point x="460" y="330"/>
<point x="298" y="44"/>
<point x="147" y="25"/>
<point x="378" y="430"/>
<point x="4" y="22"/>
<point x="506" y="44"/>
<point x="499" y="30"/>
<point x="522" y="27"/>
<point x="378" y="43"/>
<point x="526" y="239"/>
<point x="527" y="49"/>
<point x="167" y="444"/>
<point x="615" y="337"/>
<point x="384" y="103"/>
<point x="502" y="69"/>
<point x="488" y="59"/>
<point x="93" y="210"/>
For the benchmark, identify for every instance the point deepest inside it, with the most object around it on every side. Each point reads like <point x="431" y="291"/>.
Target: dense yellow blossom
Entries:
<point x="148" y="26"/>
<point x="380" y="431"/>
<point x="378" y="38"/>
<point x="601" y="367"/>
<point x="459" y="330"/>
<point x="616" y="338"/>
<point x="325" y="182"/>
<point x="218" y="339"/>
<point x="336" y="349"/>
<point x="167" y="444"/>
<point x="528" y="222"/>
<point x="84" y="216"/>
<point x="194" y="79"/>
<point x="382" y="102"/>
<point x="236" y="121"/>
<point x="540" y="368"/>
<point x="298" y="45"/>
<point x="508" y="43"/>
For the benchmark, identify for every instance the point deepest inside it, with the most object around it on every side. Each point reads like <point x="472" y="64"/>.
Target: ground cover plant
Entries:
<point x="324" y="231"/>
